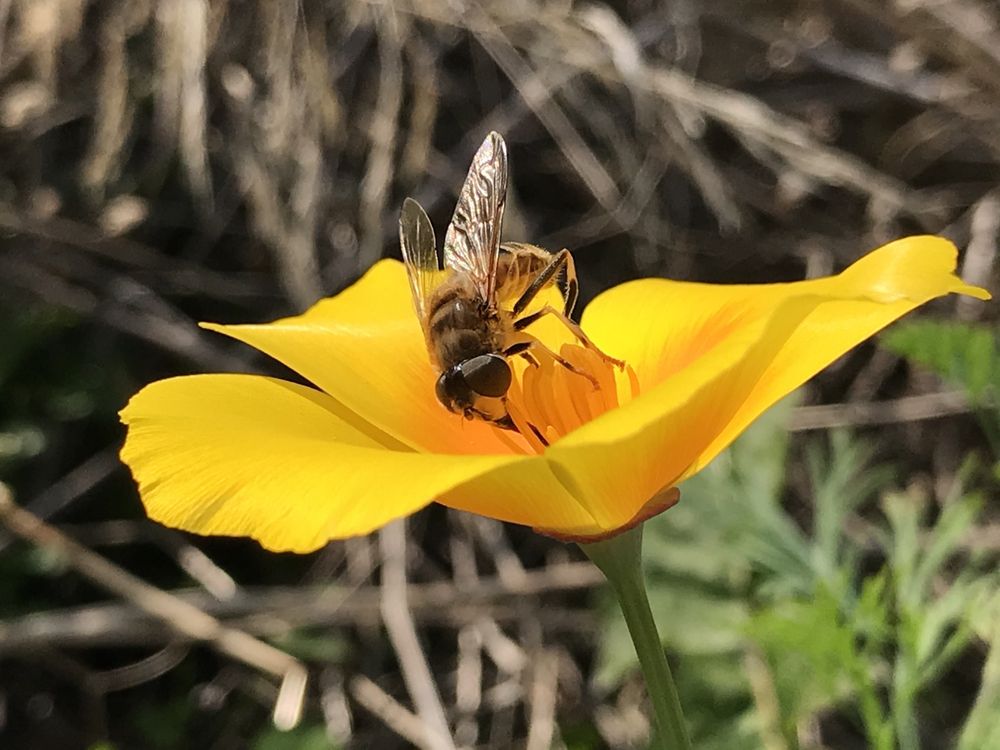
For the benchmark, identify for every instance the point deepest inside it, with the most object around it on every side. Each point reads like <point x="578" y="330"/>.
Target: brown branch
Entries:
<point x="403" y="636"/>
<point x="184" y="618"/>
<point x="394" y="715"/>
<point x="905" y="409"/>
<point x="275" y="610"/>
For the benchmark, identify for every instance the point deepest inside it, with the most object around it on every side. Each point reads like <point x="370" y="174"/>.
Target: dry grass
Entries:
<point x="164" y="161"/>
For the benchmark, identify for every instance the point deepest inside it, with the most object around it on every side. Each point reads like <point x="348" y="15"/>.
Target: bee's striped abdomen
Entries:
<point x="517" y="267"/>
<point x="458" y="326"/>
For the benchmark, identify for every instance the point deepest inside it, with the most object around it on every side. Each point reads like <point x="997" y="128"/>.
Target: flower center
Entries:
<point x="549" y="400"/>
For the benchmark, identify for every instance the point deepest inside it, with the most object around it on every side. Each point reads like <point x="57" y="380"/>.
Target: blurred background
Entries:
<point x="831" y="582"/>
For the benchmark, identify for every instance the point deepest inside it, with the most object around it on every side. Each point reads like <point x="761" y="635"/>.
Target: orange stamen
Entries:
<point x="556" y="401"/>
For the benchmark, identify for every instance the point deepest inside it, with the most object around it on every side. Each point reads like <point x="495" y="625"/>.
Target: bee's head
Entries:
<point x="475" y="387"/>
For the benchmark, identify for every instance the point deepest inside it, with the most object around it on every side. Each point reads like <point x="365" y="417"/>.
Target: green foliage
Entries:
<point x="966" y="355"/>
<point x="776" y="614"/>
<point x="963" y="354"/>
<point x="580" y="735"/>
<point x="317" y="647"/>
<point x="305" y="737"/>
<point x="983" y="726"/>
<point x="165" y="724"/>
<point x="49" y="379"/>
<point x="931" y="629"/>
<point x="701" y="558"/>
<point x="811" y="650"/>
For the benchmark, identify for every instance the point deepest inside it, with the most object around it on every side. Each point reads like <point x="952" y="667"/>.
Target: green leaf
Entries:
<point x="982" y="728"/>
<point x="841" y="479"/>
<point x="305" y="737"/>
<point x="731" y="516"/>
<point x="692" y="621"/>
<point x="943" y="541"/>
<point x="316" y="646"/>
<point x="811" y="651"/>
<point x="905" y="511"/>
<point x="718" y="706"/>
<point x="164" y="724"/>
<point x="872" y="610"/>
<point x="963" y="354"/>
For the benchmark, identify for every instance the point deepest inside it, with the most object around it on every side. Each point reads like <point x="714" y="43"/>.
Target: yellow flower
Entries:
<point x="295" y="466"/>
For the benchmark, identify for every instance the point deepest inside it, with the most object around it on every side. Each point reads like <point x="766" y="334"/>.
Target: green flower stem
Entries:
<point x="620" y="559"/>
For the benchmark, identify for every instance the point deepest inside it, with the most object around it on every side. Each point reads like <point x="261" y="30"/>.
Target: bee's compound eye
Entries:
<point x="450" y="387"/>
<point x="487" y="375"/>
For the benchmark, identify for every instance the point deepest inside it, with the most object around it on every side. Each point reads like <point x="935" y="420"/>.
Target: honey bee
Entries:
<point x="473" y="311"/>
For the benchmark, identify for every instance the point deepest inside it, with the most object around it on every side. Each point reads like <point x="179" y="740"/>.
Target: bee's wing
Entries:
<point x="416" y="238"/>
<point x="472" y="243"/>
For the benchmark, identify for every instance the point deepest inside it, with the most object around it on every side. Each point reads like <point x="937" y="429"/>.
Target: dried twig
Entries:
<point x="382" y="137"/>
<point x="394" y="715"/>
<point x="536" y="94"/>
<point x="544" y="685"/>
<point x="905" y="409"/>
<point x="403" y="636"/>
<point x="981" y="252"/>
<point x="67" y="489"/>
<point x="275" y="610"/>
<point x="175" y="613"/>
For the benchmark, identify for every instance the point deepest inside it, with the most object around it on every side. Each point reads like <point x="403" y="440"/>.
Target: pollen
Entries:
<point x="548" y="400"/>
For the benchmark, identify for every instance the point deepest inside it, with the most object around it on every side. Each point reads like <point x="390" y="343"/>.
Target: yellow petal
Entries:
<point x="242" y="455"/>
<point x="530" y="492"/>
<point x="711" y="358"/>
<point x="625" y="457"/>
<point x="365" y="348"/>
<point x="660" y="326"/>
<point x="869" y="295"/>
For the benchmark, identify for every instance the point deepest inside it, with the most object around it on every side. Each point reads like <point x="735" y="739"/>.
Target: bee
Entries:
<point x="473" y="311"/>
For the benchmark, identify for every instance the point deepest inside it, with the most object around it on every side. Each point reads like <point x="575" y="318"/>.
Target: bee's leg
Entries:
<point x="531" y="359"/>
<point x="528" y="342"/>
<point x="560" y="260"/>
<point x="505" y="422"/>
<point x="521" y="348"/>
<point x="574" y="327"/>
<point x="572" y="287"/>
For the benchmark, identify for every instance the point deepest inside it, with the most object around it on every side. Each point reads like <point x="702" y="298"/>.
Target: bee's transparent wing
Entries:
<point x="472" y="243"/>
<point x="416" y="238"/>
